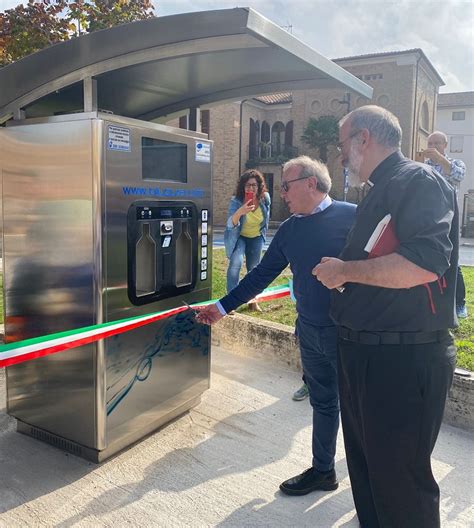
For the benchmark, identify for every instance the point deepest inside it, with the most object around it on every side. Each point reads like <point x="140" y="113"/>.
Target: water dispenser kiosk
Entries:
<point x="107" y="214"/>
<point x="110" y="223"/>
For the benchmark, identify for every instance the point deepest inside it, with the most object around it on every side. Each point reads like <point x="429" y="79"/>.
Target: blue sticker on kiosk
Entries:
<point x="203" y="152"/>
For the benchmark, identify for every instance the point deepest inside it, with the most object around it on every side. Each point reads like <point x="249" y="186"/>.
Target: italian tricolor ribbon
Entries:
<point x="14" y="353"/>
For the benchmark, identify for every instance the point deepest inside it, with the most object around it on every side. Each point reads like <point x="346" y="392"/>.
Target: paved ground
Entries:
<point x="220" y="466"/>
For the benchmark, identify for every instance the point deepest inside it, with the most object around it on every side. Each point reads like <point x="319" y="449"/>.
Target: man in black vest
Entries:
<point x="396" y="355"/>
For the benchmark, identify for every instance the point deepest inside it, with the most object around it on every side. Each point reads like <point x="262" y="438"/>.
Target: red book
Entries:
<point x="383" y="240"/>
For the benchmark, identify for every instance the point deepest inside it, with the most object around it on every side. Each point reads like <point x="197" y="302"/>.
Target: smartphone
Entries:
<point x="249" y="195"/>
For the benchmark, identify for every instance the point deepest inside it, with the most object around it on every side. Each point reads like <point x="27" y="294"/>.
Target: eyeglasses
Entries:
<point x="285" y="187"/>
<point x="251" y="185"/>
<point x="341" y="143"/>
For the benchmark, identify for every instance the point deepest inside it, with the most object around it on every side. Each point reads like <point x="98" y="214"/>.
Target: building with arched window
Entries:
<point x="263" y="132"/>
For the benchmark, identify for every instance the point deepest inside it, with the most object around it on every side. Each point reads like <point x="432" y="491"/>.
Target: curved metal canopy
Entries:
<point x="156" y="67"/>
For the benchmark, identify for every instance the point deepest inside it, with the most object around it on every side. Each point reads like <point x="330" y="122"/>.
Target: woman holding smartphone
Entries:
<point x="247" y="223"/>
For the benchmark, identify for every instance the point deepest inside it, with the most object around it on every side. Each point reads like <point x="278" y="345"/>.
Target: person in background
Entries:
<point x="454" y="171"/>
<point x="318" y="226"/>
<point x="396" y="354"/>
<point x="247" y="224"/>
<point x="302" y="393"/>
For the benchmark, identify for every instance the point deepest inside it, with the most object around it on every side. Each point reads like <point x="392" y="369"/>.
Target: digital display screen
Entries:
<point x="164" y="160"/>
<point x="166" y="213"/>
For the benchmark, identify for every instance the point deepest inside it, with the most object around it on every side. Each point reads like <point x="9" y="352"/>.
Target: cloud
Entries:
<point x="341" y="28"/>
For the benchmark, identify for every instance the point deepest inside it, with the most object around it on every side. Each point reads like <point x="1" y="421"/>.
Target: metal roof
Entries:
<point x="155" y="67"/>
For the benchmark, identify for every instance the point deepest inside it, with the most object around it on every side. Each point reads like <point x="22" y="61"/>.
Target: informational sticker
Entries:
<point x="203" y="275"/>
<point x="204" y="227"/>
<point x="203" y="240"/>
<point x="203" y="264"/>
<point x="204" y="215"/>
<point x="204" y="252"/>
<point x="166" y="242"/>
<point x="119" y="138"/>
<point x="203" y="152"/>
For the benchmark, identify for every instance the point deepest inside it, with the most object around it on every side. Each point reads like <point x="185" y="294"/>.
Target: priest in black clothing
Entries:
<point x="396" y="354"/>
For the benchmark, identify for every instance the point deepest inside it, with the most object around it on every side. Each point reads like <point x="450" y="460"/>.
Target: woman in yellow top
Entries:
<point x="247" y="224"/>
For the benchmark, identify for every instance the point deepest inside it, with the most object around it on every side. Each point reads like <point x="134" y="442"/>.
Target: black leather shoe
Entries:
<point x="310" y="480"/>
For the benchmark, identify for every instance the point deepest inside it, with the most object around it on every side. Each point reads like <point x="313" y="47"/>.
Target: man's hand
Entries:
<point x="330" y="271"/>
<point x="434" y="156"/>
<point x="207" y="314"/>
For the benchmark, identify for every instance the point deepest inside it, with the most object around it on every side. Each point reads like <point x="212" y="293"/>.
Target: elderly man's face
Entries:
<point x="438" y="142"/>
<point x="295" y="191"/>
<point x="351" y="157"/>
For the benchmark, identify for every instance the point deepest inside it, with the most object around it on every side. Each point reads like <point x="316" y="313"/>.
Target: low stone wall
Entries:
<point x="249" y="336"/>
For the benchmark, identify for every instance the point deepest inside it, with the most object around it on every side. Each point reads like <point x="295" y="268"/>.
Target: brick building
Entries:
<point x="267" y="130"/>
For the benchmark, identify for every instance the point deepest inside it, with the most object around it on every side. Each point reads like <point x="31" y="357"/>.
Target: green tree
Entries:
<point x="24" y="30"/>
<point x="103" y="14"/>
<point x="320" y="133"/>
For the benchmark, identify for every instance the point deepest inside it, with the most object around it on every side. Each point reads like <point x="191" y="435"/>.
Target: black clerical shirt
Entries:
<point x="425" y="217"/>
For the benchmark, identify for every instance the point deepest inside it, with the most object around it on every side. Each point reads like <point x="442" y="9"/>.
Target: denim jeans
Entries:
<point x="252" y="249"/>
<point x="318" y="347"/>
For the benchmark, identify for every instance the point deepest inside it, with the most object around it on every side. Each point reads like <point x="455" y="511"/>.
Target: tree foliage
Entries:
<point x="26" y="29"/>
<point x="103" y="14"/>
<point x="320" y="133"/>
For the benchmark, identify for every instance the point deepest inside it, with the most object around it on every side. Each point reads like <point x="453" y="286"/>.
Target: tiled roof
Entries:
<point x="456" y="99"/>
<point x="272" y="99"/>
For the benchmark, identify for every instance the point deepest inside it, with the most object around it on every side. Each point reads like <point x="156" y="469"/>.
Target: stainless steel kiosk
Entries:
<point x="107" y="215"/>
<point x="105" y="218"/>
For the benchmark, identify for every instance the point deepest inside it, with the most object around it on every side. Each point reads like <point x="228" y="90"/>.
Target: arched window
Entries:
<point x="252" y="140"/>
<point x="278" y="138"/>
<point x="425" y="116"/>
<point x="289" y="134"/>
<point x="257" y="139"/>
<point x="265" y="139"/>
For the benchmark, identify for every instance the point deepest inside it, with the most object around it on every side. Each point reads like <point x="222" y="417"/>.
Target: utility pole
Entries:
<point x="346" y="101"/>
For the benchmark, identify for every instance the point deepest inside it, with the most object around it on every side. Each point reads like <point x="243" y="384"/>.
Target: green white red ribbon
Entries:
<point x="21" y="351"/>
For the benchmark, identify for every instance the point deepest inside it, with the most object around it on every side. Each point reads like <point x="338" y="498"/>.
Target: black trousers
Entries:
<point x="392" y="401"/>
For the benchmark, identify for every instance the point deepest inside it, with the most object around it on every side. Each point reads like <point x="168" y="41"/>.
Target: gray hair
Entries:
<point x="439" y="133"/>
<point x="382" y="125"/>
<point x="311" y="168"/>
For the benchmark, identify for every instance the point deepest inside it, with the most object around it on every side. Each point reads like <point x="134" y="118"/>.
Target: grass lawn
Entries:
<point x="283" y="310"/>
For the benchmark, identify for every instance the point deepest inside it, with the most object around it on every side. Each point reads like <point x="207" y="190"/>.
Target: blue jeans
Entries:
<point x="318" y="347"/>
<point x="252" y="248"/>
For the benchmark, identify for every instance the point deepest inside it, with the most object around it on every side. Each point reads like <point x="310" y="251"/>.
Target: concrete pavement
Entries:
<point x="219" y="465"/>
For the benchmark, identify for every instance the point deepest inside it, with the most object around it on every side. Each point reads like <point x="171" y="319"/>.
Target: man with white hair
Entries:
<point x="317" y="227"/>
<point x="453" y="171"/>
<point x="396" y="355"/>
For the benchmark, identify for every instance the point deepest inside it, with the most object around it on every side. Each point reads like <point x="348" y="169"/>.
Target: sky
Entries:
<point x="342" y="28"/>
